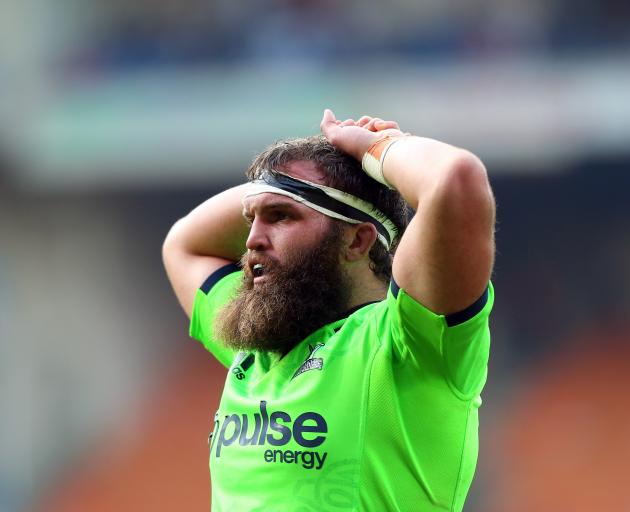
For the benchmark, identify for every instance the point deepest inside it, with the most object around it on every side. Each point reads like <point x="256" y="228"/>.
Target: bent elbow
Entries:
<point x="170" y="243"/>
<point x="467" y="170"/>
<point x="465" y="192"/>
<point x="467" y="179"/>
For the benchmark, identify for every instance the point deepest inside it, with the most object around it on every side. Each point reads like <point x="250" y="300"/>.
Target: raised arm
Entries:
<point x="210" y="236"/>
<point x="445" y="257"/>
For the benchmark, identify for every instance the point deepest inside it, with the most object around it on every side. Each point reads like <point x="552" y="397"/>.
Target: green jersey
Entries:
<point x="376" y="411"/>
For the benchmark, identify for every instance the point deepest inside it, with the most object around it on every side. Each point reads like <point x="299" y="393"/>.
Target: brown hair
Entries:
<point x="344" y="173"/>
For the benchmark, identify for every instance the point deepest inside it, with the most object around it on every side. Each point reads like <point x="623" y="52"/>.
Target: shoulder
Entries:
<point x="217" y="276"/>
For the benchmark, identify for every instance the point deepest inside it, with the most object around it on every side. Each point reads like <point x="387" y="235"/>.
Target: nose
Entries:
<point x="258" y="239"/>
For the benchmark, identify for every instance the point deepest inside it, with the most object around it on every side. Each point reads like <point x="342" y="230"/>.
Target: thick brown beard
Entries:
<point x="308" y="291"/>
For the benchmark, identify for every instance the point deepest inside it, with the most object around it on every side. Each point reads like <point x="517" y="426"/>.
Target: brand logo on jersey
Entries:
<point x="277" y="428"/>
<point x="241" y="364"/>
<point x="311" y="363"/>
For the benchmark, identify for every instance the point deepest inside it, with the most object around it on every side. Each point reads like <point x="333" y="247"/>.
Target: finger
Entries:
<point x="364" y="120"/>
<point x="329" y="117"/>
<point x="328" y="120"/>
<point x="371" y="125"/>
<point x="348" y="122"/>
<point x="386" y="125"/>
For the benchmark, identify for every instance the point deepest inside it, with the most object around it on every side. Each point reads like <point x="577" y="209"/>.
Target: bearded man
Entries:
<point x="357" y="344"/>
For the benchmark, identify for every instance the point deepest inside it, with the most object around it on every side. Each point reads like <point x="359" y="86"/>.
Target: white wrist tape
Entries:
<point x="373" y="158"/>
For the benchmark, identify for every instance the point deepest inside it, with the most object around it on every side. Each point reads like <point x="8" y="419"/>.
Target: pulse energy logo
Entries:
<point x="276" y="429"/>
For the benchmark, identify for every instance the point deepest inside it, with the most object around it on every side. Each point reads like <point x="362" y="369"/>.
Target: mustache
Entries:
<point x="268" y="262"/>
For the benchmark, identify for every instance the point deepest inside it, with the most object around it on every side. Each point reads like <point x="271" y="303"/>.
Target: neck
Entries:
<point x="366" y="287"/>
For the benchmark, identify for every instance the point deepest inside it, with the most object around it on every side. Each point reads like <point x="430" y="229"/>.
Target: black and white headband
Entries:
<point x="329" y="201"/>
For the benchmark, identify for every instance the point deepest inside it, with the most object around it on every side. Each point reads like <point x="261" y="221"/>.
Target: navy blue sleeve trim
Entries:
<point x="466" y="314"/>
<point x="217" y="275"/>
<point x="461" y="316"/>
<point x="395" y="288"/>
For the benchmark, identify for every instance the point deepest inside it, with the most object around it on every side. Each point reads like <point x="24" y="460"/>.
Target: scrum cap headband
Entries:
<point x="329" y="201"/>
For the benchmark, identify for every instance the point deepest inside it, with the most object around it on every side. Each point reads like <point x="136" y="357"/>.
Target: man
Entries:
<point x="354" y="382"/>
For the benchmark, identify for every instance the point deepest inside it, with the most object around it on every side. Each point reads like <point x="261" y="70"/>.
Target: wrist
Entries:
<point x="374" y="158"/>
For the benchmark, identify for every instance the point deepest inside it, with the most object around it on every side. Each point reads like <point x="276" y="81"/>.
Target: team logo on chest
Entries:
<point x="311" y="362"/>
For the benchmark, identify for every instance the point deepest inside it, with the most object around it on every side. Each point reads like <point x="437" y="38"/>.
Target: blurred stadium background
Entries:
<point x="118" y="117"/>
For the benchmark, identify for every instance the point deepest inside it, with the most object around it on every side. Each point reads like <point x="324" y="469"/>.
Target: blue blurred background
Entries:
<point x="116" y="118"/>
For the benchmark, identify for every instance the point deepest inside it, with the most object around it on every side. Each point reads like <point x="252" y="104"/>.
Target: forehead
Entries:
<point x="269" y="200"/>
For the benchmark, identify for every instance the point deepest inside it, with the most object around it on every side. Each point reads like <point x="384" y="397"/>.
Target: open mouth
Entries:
<point x="258" y="270"/>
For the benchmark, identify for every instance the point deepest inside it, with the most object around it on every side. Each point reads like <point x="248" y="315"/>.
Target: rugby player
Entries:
<point x="356" y="338"/>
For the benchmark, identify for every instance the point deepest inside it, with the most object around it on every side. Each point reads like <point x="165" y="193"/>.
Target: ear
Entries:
<point x="362" y="238"/>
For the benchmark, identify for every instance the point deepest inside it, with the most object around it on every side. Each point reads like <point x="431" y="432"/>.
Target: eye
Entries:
<point x="278" y="215"/>
<point x="249" y="219"/>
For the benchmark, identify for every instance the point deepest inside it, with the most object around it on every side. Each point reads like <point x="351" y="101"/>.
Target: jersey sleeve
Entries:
<point x="213" y="294"/>
<point x="456" y="346"/>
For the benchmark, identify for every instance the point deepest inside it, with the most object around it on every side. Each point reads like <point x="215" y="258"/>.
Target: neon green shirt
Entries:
<point x="376" y="411"/>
